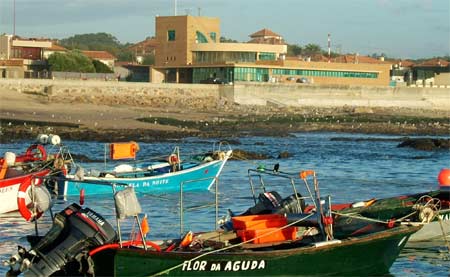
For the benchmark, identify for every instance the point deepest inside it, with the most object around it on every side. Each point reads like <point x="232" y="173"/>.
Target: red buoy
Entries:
<point x="444" y="179"/>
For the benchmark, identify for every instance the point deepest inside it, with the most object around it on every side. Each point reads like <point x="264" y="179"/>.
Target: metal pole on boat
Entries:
<point x="216" y="180"/>
<point x="181" y="209"/>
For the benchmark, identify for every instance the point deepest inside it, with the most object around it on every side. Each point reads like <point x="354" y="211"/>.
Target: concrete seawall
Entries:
<point x="339" y="96"/>
<point x="210" y="96"/>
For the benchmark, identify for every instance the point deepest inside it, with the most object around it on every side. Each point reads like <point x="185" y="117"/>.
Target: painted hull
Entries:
<point x="399" y="207"/>
<point x="199" y="177"/>
<point x="366" y="255"/>
<point x="434" y="230"/>
<point x="10" y="187"/>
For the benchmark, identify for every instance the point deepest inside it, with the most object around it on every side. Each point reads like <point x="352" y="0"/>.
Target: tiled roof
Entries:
<point x="99" y="55"/>
<point x="145" y="46"/>
<point x="264" y="33"/>
<point x="434" y="63"/>
<point x="271" y="40"/>
<point x="56" y="47"/>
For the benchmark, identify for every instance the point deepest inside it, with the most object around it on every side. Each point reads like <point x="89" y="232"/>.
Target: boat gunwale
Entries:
<point x="382" y="235"/>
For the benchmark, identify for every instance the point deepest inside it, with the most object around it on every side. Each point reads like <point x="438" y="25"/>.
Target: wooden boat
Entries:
<point x="166" y="175"/>
<point x="255" y="245"/>
<point x="19" y="174"/>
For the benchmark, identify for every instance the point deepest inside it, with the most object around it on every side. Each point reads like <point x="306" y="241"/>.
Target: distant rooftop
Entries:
<point x="99" y="55"/>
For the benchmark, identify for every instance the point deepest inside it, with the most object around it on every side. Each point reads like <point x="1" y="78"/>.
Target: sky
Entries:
<point x="398" y="28"/>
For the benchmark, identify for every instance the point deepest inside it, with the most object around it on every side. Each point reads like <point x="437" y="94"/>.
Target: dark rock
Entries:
<point x="239" y="154"/>
<point x="426" y="144"/>
<point x="284" y="155"/>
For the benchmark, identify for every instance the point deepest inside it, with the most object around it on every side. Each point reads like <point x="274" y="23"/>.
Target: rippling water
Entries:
<point x="348" y="170"/>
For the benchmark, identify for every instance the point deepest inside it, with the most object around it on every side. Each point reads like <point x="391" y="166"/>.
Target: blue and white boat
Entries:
<point x="197" y="172"/>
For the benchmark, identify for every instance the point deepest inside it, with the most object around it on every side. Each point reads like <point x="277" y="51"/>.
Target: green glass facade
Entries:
<point x="251" y="74"/>
<point x="211" y="57"/>
<point x="264" y="56"/>
<point x="201" y="38"/>
<point x="325" y="73"/>
<point x="213" y="36"/>
<point x="223" y="73"/>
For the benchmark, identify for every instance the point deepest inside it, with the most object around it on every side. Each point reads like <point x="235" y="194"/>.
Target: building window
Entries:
<point x="212" y="35"/>
<point x="201" y="38"/>
<point x="171" y="35"/>
<point x="264" y="56"/>
<point x="325" y="73"/>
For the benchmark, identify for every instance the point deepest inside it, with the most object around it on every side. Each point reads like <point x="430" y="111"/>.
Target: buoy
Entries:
<point x="54" y="139"/>
<point x="444" y="179"/>
<point x="42" y="139"/>
<point x="10" y="158"/>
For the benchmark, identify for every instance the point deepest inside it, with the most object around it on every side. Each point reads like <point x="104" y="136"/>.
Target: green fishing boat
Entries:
<point x="83" y="242"/>
<point x="371" y="254"/>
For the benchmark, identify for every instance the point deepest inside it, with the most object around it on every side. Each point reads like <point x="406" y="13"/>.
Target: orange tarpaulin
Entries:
<point x="123" y="150"/>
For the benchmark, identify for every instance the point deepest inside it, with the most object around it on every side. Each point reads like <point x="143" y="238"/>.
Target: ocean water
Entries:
<point x="349" y="167"/>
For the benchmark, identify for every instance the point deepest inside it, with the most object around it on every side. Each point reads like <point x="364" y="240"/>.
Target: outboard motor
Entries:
<point x="272" y="203"/>
<point x="75" y="231"/>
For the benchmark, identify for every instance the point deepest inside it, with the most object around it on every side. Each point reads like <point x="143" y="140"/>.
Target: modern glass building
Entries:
<point x="189" y="51"/>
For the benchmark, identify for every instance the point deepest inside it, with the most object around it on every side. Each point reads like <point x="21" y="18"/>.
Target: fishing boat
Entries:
<point x="430" y="207"/>
<point x="17" y="171"/>
<point x="83" y="242"/>
<point x="167" y="174"/>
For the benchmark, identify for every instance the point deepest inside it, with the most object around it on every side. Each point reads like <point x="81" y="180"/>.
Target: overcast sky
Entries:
<point x="398" y="28"/>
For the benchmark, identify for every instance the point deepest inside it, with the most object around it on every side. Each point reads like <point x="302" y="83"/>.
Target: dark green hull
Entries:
<point x="366" y="255"/>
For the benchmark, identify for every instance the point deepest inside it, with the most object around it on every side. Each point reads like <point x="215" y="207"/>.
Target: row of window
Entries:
<point x="325" y="73"/>
<point x="251" y="74"/>
<point x="262" y="74"/>
<point x="265" y="56"/>
<point x="222" y="57"/>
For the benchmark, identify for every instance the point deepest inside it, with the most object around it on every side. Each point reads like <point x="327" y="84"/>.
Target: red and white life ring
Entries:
<point x="173" y="159"/>
<point x="26" y="213"/>
<point x="33" y="155"/>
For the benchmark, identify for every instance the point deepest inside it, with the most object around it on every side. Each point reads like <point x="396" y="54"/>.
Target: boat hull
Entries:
<point x="397" y="207"/>
<point x="9" y="189"/>
<point x="435" y="230"/>
<point x="367" y="255"/>
<point x="200" y="177"/>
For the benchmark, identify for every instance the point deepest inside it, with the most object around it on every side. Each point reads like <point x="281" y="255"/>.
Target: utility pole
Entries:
<point x="329" y="48"/>
<point x="175" y="7"/>
<point x="14" y="18"/>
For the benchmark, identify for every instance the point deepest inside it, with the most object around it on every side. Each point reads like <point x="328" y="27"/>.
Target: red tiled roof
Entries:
<point x="145" y="46"/>
<point x="56" y="47"/>
<point x="271" y="40"/>
<point x="264" y="33"/>
<point x="99" y="55"/>
<point x="434" y="63"/>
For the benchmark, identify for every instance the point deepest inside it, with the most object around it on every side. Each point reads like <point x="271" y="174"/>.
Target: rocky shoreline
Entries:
<point x="25" y="115"/>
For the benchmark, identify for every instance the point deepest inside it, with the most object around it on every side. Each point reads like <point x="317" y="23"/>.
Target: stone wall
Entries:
<point x="120" y="93"/>
<point x="302" y="95"/>
<point x="209" y="97"/>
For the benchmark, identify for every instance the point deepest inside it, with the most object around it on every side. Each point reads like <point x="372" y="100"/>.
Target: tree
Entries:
<point x="228" y="40"/>
<point x="149" y="59"/>
<point x="98" y="41"/>
<point x="294" y="50"/>
<point x="73" y="61"/>
<point x="312" y="49"/>
<point x="101" y="67"/>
